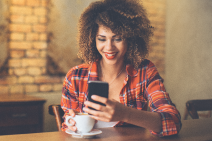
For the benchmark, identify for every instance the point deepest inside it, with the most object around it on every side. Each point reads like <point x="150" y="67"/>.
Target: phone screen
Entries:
<point x="99" y="88"/>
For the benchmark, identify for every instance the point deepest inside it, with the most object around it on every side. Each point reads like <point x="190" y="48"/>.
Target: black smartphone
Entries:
<point x="99" y="88"/>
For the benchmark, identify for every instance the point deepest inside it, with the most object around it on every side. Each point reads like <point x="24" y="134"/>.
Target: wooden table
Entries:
<point x="194" y="130"/>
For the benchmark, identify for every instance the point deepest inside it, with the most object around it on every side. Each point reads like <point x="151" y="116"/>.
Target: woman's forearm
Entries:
<point x="146" y="119"/>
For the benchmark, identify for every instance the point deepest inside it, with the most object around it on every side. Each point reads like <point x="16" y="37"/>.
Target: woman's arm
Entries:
<point x="146" y="119"/>
<point x="159" y="101"/>
<point x="69" y="101"/>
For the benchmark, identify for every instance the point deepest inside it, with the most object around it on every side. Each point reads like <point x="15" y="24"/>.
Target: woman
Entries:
<point x="113" y="42"/>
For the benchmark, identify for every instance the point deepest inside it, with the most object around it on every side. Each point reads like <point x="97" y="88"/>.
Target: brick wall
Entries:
<point x="27" y="46"/>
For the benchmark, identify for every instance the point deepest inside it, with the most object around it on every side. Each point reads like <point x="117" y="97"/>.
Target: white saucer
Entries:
<point x="91" y="134"/>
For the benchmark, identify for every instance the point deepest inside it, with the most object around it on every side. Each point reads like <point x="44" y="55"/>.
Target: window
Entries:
<point x="62" y="31"/>
<point x="3" y="36"/>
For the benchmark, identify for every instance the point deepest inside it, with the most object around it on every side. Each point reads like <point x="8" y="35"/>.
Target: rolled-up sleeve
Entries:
<point x="69" y="98"/>
<point x="160" y="102"/>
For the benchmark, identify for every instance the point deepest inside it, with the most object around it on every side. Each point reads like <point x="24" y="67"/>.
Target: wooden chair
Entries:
<point x="193" y="106"/>
<point x="57" y="111"/>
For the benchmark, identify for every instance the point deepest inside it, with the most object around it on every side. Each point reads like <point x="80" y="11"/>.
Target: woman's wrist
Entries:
<point x="126" y="114"/>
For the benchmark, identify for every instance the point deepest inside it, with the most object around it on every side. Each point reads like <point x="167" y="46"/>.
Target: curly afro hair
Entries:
<point x="126" y="18"/>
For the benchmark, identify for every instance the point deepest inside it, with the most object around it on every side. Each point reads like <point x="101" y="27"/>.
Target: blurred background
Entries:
<point x="38" y="47"/>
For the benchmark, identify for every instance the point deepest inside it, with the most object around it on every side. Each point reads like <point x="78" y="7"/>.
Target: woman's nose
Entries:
<point x="109" y="44"/>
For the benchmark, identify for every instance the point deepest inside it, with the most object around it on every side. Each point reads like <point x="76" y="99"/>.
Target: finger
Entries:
<point x="98" y="115"/>
<point x="92" y="112"/>
<point x="71" y="121"/>
<point x="71" y="113"/>
<point x="94" y="105"/>
<point x="99" y="99"/>
<point x="103" y="100"/>
<point x="72" y="128"/>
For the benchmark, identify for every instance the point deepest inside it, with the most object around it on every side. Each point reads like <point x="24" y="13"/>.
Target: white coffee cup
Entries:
<point x="84" y="122"/>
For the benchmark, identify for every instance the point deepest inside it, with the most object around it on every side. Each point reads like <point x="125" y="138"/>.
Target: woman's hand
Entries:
<point x="115" y="111"/>
<point x="112" y="111"/>
<point x="73" y="128"/>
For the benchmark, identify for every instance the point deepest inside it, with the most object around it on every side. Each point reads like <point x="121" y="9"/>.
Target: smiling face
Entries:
<point x="111" y="46"/>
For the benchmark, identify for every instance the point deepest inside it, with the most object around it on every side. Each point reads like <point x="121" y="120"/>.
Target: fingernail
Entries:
<point x="84" y="109"/>
<point x="72" y="123"/>
<point x="75" y="128"/>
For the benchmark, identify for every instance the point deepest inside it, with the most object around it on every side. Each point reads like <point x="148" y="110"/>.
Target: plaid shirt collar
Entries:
<point x="93" y="71"/>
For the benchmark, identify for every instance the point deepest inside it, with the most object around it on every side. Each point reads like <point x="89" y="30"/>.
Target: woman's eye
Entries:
<point x="118" y="39"/>
<point x="100" y="39"/>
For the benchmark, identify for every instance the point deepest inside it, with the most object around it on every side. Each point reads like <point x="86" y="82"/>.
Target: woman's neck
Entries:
<point x="109" y="72"/>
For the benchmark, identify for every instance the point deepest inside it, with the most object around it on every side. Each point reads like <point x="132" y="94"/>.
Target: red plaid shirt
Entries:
<point x="140" y="86"/>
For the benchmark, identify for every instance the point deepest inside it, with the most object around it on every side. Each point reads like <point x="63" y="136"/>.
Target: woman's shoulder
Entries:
<point x="145" y="67"/>
<point x="78" y="69"/>
<point x="146" y="63"/>
<point x="148" y="67"/>
<point x="82" y="66"/>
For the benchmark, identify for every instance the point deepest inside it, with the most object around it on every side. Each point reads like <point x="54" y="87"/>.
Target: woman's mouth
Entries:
<point x="110" y="55"/>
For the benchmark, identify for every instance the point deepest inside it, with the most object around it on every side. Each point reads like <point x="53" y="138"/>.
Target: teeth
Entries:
<point x="111" y="54"/>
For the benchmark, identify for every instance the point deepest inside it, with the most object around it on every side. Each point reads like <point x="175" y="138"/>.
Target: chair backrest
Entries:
<point x="193" y="106"/>
<point x="57" y="111"/>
